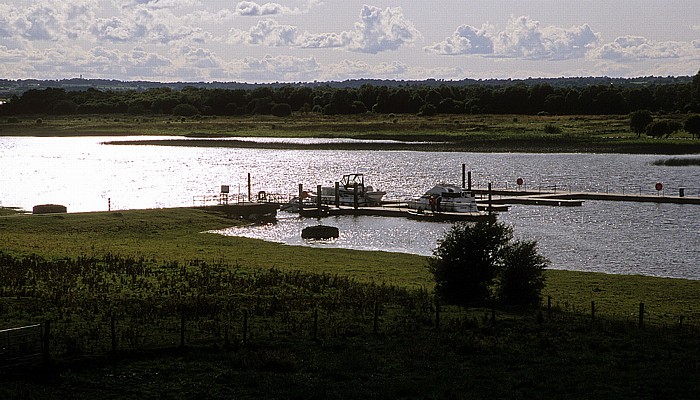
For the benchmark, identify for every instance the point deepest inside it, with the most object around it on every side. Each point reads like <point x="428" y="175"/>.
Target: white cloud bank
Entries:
<point x="523" y="37"/>
<point x="378" y="30"/>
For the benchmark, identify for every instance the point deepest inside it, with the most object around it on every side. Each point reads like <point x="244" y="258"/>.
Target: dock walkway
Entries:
<point x="542" y="197"/>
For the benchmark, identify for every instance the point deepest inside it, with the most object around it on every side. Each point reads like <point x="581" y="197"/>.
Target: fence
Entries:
<point x="23" y="346"/>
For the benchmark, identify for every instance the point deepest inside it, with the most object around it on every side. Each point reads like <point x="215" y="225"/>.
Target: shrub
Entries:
<point x="185" y="110"/>
<point x="478" y="262"/>
<point x="552" y="129"/>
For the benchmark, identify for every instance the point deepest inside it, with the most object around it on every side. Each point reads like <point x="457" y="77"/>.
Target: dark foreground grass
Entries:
<point x="517" y="359"/>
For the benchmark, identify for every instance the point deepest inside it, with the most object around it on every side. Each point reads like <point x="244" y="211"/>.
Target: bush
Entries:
<point x="185" y="110"/>
<point x="476" y="263"/>
<point x="281" y="110"/>
<point x="552" y="129"/>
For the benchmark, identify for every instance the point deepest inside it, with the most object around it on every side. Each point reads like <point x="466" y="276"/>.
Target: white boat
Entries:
<point x="447" y="198"/>
<point x="366" y="195"/>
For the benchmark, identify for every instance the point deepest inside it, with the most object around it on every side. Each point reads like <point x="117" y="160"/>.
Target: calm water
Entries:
<point x="649" y="239"/>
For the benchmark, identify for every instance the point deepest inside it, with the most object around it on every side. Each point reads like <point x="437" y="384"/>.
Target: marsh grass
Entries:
<point x="678" y="162"/>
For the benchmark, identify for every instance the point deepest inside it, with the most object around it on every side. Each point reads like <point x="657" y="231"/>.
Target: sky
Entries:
<point x="335" y="40"/>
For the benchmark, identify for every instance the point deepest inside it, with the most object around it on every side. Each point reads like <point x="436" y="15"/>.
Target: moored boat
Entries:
<point x="445" y="198"/>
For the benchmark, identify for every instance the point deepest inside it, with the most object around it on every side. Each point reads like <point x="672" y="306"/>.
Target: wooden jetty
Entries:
<point x="550" y="197"/>
<point x="246" y="210"/>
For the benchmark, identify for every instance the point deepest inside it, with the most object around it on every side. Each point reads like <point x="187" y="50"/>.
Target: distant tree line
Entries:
<point x="424" y="99"/>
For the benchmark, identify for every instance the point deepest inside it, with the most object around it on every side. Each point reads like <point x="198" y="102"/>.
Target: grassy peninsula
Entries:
<point x="471" y="133"/>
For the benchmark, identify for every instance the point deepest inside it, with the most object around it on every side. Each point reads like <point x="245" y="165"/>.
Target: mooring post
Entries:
<point x="250" y="192"/>
<point x="490" y="197"/>
<point x="318" y="200"/>
<point x="464" y="176"/>
<point x="337" y="194"/>
<point x="469" y="181"/>
<point x="356" y="200"/>
<point x="301" y="198"/>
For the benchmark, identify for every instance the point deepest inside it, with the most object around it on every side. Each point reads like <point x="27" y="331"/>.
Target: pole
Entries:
<point x="469" y="181"/>
<point x="318" y="200"/>
<point x="490" y="197"/>
<point x="464" y="166"/>
<point x="356" y="200"/>
<point x="301" y="198"/>
<point x="250" y="192"/>
<point x="337" y="194"/>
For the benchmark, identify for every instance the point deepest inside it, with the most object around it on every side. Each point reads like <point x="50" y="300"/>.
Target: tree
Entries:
<point x="639" y="121"/>
<point x="692" y="125"/>
<point x="185" y="110"/>
<point x="478" y="262"/>
<point x="658" y="129"/>
<point x="281" y="110"/>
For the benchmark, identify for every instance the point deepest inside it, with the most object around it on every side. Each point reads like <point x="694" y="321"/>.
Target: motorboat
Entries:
<point x="445" y="198"/>
<point x="366" y="194"/>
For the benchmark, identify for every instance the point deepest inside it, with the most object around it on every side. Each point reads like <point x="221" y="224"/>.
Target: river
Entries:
<point x="621" y="238"/>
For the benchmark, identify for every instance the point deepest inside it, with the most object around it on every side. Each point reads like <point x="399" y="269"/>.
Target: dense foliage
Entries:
<point x="426" y="99"/>
<point x="478" y="262"/>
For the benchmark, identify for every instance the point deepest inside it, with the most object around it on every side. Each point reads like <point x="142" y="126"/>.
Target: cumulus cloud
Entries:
<point x="465" y="40"/>
<point x="253" y="9"/>
<point x="378" y="30"/>
<point x="144" y="25"/>
<point x="523" y="37"/>
<point x="355" y="69"/>
<point x="635" y="48"/>
<point x="276" y="68"/>
<point x="266" y="32"/>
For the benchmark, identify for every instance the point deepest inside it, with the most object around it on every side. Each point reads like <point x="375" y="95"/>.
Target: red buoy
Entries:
<point x="519" y="181"/>
<point x="659" y="186"/>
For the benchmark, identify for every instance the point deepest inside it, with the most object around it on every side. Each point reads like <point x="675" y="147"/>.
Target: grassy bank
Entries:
<point x="170" y="235"/>
<point x="476" y="133"/>
<point x="143" y="267"/>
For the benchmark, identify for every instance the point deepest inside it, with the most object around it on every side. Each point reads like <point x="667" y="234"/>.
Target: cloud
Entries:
<point x="356" y="69"/>
<point x="523" y="37"/>
<point x="252" y="9"/>
<point x="381" y="30"/>
<point x="636" y="48"/>
<point x="145" y="25"/>
<point x="276" y="69"/>
<point x="378" y="30"/>
<point x="465" y="40"/>
<point x="266" y="32"/>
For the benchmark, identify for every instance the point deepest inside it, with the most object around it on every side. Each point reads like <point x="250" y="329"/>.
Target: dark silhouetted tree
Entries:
<point x="639" y="121"/>
<point x="692" y="125"/>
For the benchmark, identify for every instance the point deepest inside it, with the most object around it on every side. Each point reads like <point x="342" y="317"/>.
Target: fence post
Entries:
<point x="375" y="327"/>
<point x="113" y="332"/>
<point x="641" y="316"/>
<point x="182" y="327"/>
<point x="46" y="334"/>
<point x="437" y="313"/>
<point x="245" y="327"/>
